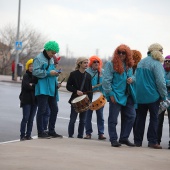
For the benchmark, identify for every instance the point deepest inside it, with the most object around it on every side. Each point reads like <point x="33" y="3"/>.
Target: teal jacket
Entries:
<point x="47" y="84"/>
<point x="94" y="81"/>
<point x="150" y="81"/>
<point x="114" y="84"/>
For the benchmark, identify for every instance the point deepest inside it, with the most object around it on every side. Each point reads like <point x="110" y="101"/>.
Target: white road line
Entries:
<point x="35" y="137"/>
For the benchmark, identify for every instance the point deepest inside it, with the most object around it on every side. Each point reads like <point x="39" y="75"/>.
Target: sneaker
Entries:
<point x="43" y="136"/>
<point x="88" y="136"/>
<point x="55" y="135"/>
<point x="101" y="137"/>
<point x="115" y="144"/>
<point x="155" y="146"/>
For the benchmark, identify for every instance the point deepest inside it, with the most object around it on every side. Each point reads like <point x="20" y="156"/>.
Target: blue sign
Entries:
<point x="18" y="45"/>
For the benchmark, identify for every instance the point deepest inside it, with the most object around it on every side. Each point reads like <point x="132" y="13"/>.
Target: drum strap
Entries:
<point x="82" y="84"/>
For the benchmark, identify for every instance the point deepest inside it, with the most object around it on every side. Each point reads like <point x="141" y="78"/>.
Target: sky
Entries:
<point x="90" y="27"/>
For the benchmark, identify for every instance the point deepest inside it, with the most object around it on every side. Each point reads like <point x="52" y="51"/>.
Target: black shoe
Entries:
<point x="71" y="137"/>
<point x="138" y="145"/>
<point x="115" y="144"/>
<point x="126" y="142"/>
<point x="55" y="135"/>
<point x="22" y="138"/>
<point x="169" y="147"/>
<point x="28" y="138"/>
<point x="44" y="136"/>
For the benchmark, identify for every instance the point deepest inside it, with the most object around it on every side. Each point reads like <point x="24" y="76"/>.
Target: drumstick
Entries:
<point x="62" y="80"/>
<point x="97" y="85"/>
<point x="87" y="92"/>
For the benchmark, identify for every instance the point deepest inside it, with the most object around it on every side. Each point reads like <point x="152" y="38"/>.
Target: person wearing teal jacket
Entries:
<point x="166" y="66"/>
<point x="150" y="90"/>
<point x="46" y="88"/>
<point x="96" y="71"/>
<point x="116" y="79"/>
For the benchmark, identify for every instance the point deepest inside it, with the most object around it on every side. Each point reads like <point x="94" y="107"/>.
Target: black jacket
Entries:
<point x="74" y="83"/>
<point x="27" y="95"/>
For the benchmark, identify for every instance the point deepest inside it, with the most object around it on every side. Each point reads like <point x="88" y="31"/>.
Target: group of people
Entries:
<point x="132" y="86"/>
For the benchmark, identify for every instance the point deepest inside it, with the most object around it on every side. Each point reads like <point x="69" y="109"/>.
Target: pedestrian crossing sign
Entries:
<point x="18" y="45"/>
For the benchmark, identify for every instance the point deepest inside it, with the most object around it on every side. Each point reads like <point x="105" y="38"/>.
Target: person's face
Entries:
<point x="84" y="64"/>
<point x="30" y="68"/>
<point x="167" y="63"/>
<point x="121" y="54"/>
<point x="51" y="53"/>
<point x="95" y="65"/>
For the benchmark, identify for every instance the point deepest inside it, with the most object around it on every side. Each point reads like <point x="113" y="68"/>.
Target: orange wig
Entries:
<point x="117" y="63"/>
<point x="94" y="58"/>
<point x="137" y="56"/>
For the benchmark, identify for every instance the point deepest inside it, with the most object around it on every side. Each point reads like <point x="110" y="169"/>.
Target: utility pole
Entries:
<point x="17" y="39"/>
<point x="97" y="51"/>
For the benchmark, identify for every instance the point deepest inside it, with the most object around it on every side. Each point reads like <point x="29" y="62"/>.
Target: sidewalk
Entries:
<point x="78" y="154"/>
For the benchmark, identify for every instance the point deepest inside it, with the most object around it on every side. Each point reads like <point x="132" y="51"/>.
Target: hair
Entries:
<point x="137" y="56"/>
<point x="117" y="63"/>
<point x="30" y="61"/>
<point x="51" y="46"/>
<point x="80" y="60"/>
<point x="154" y="51"/>
<point x="94" y="58"/>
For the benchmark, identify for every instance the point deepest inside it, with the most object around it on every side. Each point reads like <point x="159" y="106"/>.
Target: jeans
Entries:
<point x="153" y="123"/>
<point x="100" y="121"/>
<point x="128" y="115"/>
<point x="73" y="117"/>
<point x="43" y="101"/>
<point x="160" y="124"/>
<point x="46" y="118"/>
<point x="29" y="112"/>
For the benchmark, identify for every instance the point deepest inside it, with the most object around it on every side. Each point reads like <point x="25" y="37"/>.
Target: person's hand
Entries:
<point x="79" y="93"/>
<point x="112" y="99"/>
<point x="129" y="80"/>
<point x="30" y="84"/>
<point x="59" y="85"/>
<point x="54" y="73"/>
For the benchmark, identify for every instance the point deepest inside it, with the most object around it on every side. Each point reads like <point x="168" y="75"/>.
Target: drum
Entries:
<point x="81" y="103"/>
<point x="98" y="101"/>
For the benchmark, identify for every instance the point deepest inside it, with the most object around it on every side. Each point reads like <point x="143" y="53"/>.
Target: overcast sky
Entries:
<point x="85" y="26"/>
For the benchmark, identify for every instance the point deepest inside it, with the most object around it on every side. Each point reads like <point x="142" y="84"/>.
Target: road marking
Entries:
<point x="35" y="137"/>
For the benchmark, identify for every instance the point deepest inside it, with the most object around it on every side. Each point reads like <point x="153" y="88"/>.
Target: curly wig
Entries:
<point x="137" y="56"/>
<point x="30" y="61"/>
<point x="51" y="46"/>
<point x="94" y="58"/>
<point x="155" y="51"/>
<point x="117" y="63"/>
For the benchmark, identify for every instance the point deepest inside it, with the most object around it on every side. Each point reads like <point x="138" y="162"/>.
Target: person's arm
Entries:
<point x="26" y="83"/>
<point x="37" y="69"/>
<point x="158" y="72"/>
<point x="70" y="84"/>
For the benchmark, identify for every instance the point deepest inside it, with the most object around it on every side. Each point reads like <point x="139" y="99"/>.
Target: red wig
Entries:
<point x="94" y="58"/>
<point x="117" y="63"/>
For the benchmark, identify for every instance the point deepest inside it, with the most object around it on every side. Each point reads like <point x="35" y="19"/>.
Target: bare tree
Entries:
<point x="32" y="44"/>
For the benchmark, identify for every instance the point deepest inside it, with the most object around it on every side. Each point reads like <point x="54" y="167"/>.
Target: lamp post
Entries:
<point x="17" y="39"/>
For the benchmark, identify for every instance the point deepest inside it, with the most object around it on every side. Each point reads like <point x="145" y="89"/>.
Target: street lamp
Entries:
<point x="17" y="39"/>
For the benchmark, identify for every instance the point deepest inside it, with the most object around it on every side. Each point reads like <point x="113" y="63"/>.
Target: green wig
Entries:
<point x="51" y="46"/>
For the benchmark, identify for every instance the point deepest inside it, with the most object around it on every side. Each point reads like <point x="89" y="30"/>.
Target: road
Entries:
<point x="11" y="115"/>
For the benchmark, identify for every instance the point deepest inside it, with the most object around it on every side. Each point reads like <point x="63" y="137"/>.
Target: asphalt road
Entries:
<point x="11" y="115"/>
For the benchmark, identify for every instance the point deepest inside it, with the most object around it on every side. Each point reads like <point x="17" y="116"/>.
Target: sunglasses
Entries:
<point x="95" y="61"/>
<point x="167" y="61"/>
<point x="121" y="52"/>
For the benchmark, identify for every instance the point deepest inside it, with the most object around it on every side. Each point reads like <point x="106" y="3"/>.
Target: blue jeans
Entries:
<point x="100" y="121"/>
<point x="29" y="112"/>
<point x="160" y="124"/>
<point x="43" y="101"/>
<point x="153" y="123"/>
<point x="128" y="115"/>
<point x="73" y="117"/>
